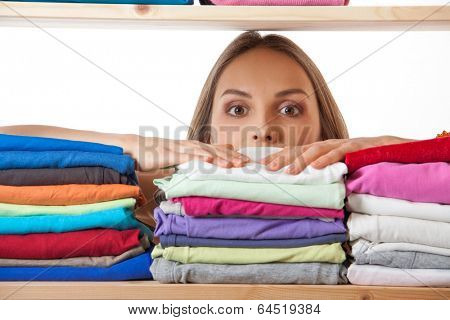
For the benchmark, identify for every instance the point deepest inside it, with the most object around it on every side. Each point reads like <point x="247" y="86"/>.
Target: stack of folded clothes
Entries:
<point x="275" y="2"/>
<point x="66" y="212"/>
<point x="250" y="225"/>
<point x="399" y="196"/>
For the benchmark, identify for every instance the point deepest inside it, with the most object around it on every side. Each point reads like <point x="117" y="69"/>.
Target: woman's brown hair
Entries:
<point x="332" y="123"/>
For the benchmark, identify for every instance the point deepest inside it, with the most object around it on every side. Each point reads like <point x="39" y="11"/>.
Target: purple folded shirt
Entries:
<point x="243" y="228"/>
<point x="426" y="182"/>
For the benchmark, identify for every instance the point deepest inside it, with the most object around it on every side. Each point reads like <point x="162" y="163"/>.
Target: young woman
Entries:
<point x="262" y="91"/>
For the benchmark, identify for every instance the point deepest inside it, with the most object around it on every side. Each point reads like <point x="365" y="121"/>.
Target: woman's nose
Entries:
<point x="266" y="136"/>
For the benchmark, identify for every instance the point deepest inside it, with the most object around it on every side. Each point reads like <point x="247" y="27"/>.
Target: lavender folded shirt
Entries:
<point x="426" y="182"/>
<point x="243" y="228"/>
<point x="176" y="240"/>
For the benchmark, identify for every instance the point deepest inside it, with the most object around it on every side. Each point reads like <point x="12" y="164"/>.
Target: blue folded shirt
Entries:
<point x="123" y="164"/>
<point x="119" y="218"/>
<point x="137" y="268"/>
<point x="26" y="143"/>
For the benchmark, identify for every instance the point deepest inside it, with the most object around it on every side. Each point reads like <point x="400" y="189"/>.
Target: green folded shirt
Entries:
<point x="331" y="253"/>
<point x="19" y="210"/>
<point x="329" y="196"/>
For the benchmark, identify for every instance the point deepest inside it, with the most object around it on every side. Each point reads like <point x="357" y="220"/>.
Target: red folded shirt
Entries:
<point x="434" y="150"/>
<point x="87" y="243"/>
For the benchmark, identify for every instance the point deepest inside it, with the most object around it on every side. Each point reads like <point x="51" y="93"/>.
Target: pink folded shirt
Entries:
<point x="204" y="206"/>
<point x="427" y="182"/>
<point x="280" y="2"/>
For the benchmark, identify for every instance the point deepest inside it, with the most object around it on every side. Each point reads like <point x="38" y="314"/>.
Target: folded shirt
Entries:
<point x="204" y="206"/>
<point x="275" y="2"/>
<point x="433" y="150"/>
<point x="369" y="204"/>
<point x="20" y="210"/>
<point x="48" y="177"/>
<point x="329" y="196"/>
<point x="176" y="240"/>
<point x="120" y="219"/>
<point x="166" y="271"/>
<point x="103" y="261"/>
<point x="123" y="164"/>
<point x="400" y="246"/>
<point x="72" y="194"/>
<point x="86" y="243"/>
<point x="398" y="259"/>
<point x="257" y="173"/>
<point x="27" y="143"/>
<point x="427" y="182"/>
<point x="137" y="268"/>
<point x="399" y="229"/>
<point x="385" y="276"/>
<point x="331" y="253"/>
<point x="243" y="228"/>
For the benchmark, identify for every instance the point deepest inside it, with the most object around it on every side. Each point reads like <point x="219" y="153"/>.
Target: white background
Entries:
<point x="400" y="87"/>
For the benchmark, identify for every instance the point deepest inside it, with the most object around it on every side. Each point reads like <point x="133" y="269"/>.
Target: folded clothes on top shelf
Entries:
<point x="433" y="150"/>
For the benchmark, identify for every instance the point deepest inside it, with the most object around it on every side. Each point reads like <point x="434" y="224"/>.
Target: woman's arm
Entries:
<point x="150" y="153"/>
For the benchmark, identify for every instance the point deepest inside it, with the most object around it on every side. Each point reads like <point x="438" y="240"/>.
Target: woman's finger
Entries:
<point x="311" y="154"/>
<point x="283" y="158"/>
<point x="335" y="155"/>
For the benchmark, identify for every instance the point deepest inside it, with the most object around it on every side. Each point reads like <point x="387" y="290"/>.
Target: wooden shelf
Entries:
<point x="156" y="291"/>
<point x="34" y="14"/>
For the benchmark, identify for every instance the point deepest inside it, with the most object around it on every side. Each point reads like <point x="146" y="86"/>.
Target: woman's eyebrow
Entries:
<point x="236" y="91"/>
<point x="290" y="91"/>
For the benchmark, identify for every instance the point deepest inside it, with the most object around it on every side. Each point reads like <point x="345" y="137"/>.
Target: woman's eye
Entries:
<point x="237" y="111"/>
<point x="290" y="110"/>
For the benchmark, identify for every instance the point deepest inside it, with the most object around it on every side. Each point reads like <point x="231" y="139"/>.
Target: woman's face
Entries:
<point x="264" y="98"/>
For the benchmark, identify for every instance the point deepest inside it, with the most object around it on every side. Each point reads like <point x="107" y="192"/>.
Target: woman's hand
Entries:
<point x="323" y="153"/>
<point x="155" y="153"/>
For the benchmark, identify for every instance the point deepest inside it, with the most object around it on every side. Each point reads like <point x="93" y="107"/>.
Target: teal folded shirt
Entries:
<point x="120" y="219"/>
<point x="329" y="196"/>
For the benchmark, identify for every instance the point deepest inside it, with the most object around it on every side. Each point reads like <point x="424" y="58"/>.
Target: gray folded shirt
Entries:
<point x="166" y="271"/>
<point x="399" y="259"/>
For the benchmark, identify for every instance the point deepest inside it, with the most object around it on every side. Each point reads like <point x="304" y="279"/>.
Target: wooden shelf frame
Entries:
<point x="375" y="18"/>
<point x="153" y="290"/>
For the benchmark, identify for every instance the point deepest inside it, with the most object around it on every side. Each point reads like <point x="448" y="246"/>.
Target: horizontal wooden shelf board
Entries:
<point x="226" y="17"/>
<point x="158" y="291"/>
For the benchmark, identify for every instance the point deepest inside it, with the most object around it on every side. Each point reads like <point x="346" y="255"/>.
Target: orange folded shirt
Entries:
<point x="71" y="194"/>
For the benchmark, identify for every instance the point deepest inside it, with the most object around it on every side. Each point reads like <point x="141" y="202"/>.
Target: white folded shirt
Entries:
<point x="398" y="229"/>
<point x="384" y="276"/>
<point x="369" y="204"/>
<point x="256" y="172"/>
<point x="362" y="245"/>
